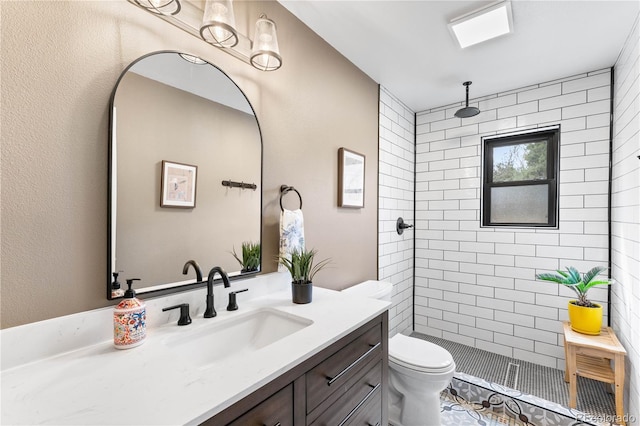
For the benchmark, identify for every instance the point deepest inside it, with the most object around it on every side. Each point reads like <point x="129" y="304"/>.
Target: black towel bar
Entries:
<point x="284" y="189"/>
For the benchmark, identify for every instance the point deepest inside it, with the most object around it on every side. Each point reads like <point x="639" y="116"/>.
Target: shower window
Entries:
<point x="520" y="184"/>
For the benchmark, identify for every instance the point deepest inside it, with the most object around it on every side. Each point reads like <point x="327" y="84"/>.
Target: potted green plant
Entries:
<point x="250" y="260"/>
<point x="302" y="269"/>
<point x="585" y="316"/>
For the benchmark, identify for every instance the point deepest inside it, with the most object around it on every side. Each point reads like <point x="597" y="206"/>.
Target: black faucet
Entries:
<point x="195" y="265"/>
<point x="233" y="304"/>
<point x="185" y="319"/>
<point x="210" y="312"/>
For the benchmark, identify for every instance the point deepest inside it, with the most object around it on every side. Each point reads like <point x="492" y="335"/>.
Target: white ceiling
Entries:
<point x="407" y="48"/>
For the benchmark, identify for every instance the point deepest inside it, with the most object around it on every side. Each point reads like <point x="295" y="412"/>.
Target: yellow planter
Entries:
<point x="585" y="320"/>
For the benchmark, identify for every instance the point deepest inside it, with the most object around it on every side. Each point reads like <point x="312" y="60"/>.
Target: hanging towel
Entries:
<point x="291" y="233"/>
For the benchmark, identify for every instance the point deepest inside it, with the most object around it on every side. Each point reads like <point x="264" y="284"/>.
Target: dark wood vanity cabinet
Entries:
<point x="344" y="384"/>
<point x="275" y="410"/>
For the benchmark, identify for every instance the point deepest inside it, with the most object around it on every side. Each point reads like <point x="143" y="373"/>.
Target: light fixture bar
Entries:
<point x="483" y="24"/>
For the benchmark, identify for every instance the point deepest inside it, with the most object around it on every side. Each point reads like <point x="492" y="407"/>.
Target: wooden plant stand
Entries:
<point x="590" y="357"/>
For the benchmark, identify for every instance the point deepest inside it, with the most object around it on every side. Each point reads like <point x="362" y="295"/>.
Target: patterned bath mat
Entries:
<point x="486" y="403"/>
<point x="455" y="410"/>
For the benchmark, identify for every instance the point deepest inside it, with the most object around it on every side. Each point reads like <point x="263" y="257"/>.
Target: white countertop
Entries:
<point x="148" y="385"/>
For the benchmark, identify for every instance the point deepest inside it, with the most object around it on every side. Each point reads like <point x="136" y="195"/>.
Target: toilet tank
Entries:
<point x="373" y="289"/>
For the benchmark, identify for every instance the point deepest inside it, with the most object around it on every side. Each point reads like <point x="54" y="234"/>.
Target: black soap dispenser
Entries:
<point x="129" y="320"/>
<point x="116" y="290"/>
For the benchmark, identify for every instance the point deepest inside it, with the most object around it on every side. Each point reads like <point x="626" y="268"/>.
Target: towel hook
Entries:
<point x="283" y="191"/>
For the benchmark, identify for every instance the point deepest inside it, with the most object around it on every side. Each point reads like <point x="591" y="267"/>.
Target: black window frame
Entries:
<point x="552" y="137"/>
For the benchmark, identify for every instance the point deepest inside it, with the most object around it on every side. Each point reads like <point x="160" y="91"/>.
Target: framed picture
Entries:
<point x="178" y="185"/>
<point x="350" y="179"/>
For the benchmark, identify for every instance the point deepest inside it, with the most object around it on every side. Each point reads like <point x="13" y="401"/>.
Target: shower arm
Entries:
<point x="466" y="85"/>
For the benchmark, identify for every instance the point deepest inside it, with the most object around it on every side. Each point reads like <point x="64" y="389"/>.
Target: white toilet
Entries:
<point x="418" y="370"/>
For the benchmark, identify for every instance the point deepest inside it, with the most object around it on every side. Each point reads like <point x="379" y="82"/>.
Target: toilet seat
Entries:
<point x="419" y="355"/>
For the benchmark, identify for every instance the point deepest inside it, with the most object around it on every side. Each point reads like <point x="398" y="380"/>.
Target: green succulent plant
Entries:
<point x="250" y="260"/>
<point x="301" y="265"/>
<point x="580" y="284"/>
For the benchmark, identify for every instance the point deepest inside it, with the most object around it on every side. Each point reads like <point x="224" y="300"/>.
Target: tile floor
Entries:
<point x="594" y="398"/>
<point x="480" y="397"/>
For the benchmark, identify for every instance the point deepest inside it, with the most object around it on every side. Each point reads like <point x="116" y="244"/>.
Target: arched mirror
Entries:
<point x="185" y="175"/>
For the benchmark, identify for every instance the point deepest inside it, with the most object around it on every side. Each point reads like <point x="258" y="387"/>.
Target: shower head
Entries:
<point x="467" y="111"/>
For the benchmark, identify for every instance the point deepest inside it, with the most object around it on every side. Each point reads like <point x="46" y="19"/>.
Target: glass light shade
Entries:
<point x="160" y="7"/>
<point x="219" y="24"/>
<point x="265" y="54"/>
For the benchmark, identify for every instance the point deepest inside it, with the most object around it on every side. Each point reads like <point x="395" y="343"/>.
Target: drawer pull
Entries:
<point x="360" y="404"/>
<point x="353" y="364"/>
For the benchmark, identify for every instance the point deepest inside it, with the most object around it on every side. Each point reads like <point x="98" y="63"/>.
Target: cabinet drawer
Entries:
<point x="345" y="408"/>
<point x="370" y="413"/>
<point x="275" y="410"/>
<point x="332" y="374"/>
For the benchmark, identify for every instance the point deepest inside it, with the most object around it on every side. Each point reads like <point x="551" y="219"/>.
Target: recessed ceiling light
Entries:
<point x="483" y="24"/>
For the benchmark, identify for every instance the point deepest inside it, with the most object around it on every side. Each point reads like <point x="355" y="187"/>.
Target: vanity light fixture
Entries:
<point x="160" y="7"/>
<point x="265" y="54"/>
<point x="217" y="26"/>
<point x="483" y="24"/>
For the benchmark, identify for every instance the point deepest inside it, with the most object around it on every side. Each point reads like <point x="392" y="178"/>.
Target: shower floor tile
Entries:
<point x="594" y="398"/>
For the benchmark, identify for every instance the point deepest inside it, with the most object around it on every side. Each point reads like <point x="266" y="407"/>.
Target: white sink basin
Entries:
<point x="241" y="334"/>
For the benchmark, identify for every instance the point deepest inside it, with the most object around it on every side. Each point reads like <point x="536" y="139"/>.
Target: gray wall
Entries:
<point x="60" y="61"/>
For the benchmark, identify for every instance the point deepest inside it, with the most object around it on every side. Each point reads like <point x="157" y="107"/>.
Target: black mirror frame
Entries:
<point x="182" y="287"/>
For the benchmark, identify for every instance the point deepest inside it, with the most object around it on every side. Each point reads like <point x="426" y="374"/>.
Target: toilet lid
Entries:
<point x="419" y="355"/>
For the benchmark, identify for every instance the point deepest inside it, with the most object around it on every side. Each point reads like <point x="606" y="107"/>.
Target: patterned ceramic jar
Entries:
<point x="129" y="321"/>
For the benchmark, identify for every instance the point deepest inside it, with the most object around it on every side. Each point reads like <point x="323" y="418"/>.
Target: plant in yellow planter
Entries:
<point x="585" y="316"/>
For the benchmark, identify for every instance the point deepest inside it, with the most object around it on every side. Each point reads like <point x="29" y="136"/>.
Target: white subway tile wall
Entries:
<point x="396" y="199"/>
<point x="477" y="285"/>
<point x="625" y="203"/>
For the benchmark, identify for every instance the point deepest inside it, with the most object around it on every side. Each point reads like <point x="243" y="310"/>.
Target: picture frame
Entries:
<point x="351" y="168"/>
<point x="178" y="185"/>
